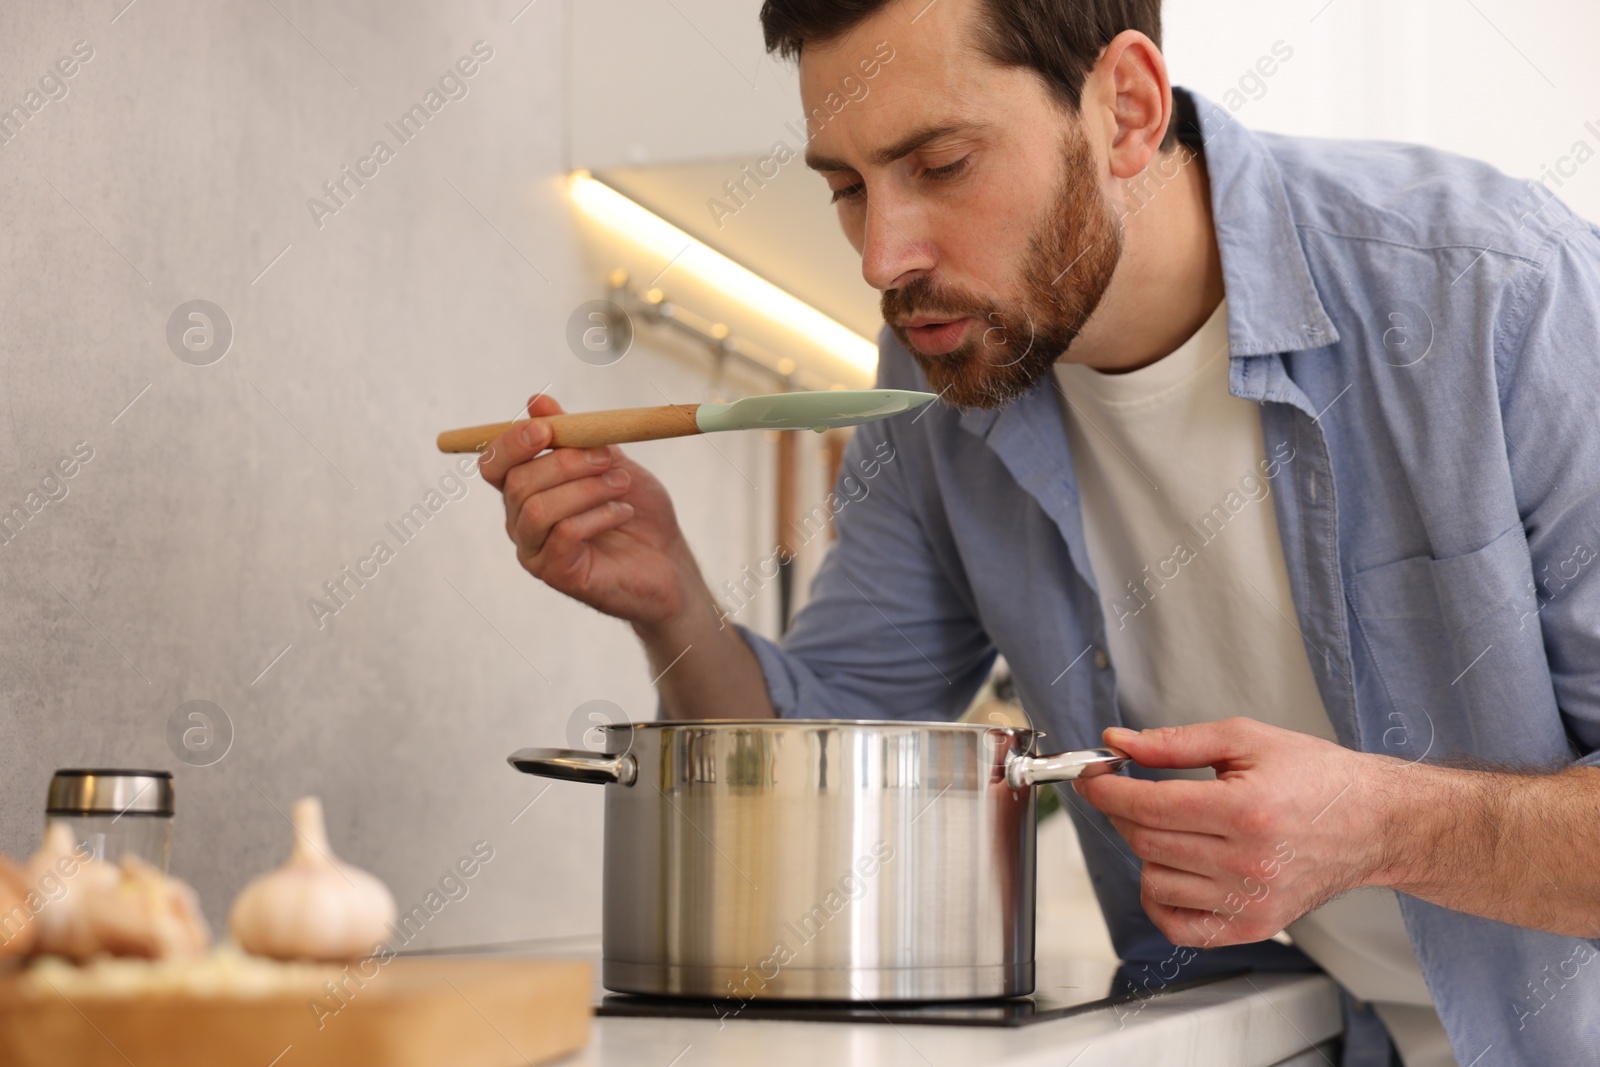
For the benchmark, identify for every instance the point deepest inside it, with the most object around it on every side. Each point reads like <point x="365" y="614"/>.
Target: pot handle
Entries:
<point x="1023" y="771"/>
<point x="575" y="765"/>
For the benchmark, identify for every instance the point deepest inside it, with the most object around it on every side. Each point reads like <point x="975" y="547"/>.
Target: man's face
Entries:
<point x="975" y="201"/>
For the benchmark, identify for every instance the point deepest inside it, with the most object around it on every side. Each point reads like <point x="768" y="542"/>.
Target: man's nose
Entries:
<point x="893" y="249"/>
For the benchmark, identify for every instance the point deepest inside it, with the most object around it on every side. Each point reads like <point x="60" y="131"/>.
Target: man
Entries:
<point x="1281" y="452"/>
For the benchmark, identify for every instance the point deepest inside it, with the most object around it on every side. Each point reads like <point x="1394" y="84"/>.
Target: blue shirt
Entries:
<point x="1423" y="336"/>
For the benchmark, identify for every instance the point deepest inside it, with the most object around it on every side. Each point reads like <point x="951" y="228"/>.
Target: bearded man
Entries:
<point x="1271" y="462"/>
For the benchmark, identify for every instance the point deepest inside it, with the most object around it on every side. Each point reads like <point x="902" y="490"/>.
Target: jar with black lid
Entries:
<point x="115" y="812"/>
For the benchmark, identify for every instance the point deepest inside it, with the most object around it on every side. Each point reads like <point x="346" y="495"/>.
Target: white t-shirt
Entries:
<point x="1183" y="541"/>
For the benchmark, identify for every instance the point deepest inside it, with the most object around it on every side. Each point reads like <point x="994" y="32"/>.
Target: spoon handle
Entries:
<point x="587" y="429"/>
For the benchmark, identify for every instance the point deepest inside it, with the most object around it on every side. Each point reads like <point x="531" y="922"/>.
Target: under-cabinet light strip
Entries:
<point x="641" y="227"/>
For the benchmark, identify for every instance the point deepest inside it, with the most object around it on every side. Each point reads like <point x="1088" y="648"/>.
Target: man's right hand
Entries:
<point x="591" y="523"/>
<point x="595" y="525"/>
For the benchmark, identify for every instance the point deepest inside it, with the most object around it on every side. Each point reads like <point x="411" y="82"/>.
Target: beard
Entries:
<point x="1071" y="257"/>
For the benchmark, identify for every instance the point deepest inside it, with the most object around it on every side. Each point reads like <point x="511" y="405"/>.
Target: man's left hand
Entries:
<point x="1290" y="822"/>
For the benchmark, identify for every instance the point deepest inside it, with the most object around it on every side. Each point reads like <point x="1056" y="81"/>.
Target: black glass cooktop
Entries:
<point x="1062" y="987"/>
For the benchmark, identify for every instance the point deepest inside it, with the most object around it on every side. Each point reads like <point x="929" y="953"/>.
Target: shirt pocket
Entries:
<point x="1456" y="647"/>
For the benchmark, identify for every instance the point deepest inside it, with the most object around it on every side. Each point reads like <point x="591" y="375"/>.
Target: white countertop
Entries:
<point x="1257" y="1020"/>
<point x="1254" y="1020"/>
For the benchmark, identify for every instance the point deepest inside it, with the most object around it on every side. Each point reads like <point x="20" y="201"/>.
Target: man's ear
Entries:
<point x="1132" y="94"/>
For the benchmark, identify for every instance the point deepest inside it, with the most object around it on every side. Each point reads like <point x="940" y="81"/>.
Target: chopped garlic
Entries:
<point x="224" y="972"/>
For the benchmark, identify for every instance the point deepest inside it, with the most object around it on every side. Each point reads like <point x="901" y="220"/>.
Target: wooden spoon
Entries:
<point x="817" y="411"/>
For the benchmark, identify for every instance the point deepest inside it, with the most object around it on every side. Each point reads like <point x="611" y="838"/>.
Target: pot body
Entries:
<point x="819" y="860"/>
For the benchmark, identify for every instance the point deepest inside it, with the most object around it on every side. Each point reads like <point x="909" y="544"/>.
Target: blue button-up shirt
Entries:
<point x="1423" y="336"/>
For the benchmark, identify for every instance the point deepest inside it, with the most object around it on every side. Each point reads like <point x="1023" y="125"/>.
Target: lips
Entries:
<point x="934" y="338"/>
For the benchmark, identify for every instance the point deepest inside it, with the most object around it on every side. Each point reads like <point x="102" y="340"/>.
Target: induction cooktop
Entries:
<point x="1062" y="988"/>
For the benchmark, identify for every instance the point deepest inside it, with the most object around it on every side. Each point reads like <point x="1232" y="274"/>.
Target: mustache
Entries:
<point x="924" y="296"/>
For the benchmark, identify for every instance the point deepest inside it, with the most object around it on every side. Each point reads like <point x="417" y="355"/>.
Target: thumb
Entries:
<point x="1208" y="744"/>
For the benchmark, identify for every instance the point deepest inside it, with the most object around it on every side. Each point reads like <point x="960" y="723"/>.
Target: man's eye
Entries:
<point x="849" y="192"/>
<point x="949" y="170"/>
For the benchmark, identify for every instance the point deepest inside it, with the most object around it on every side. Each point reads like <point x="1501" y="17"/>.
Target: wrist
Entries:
<point x="687" y="616"/>
<point x="1437" y="824"/>
<point x="1403" y="820"/>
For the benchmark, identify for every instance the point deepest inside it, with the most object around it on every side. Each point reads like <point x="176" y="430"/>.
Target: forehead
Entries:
<point x="911" y="65"/>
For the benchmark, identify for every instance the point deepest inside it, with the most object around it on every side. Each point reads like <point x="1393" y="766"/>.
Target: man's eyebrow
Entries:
<point x="900" y="149"/>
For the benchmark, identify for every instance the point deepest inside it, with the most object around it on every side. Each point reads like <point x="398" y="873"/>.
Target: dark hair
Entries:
<point x="1060" y="39"/>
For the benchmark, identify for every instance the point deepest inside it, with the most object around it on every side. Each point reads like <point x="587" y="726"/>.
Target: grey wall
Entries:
<point x="180" y="561"/>
<point x="659" y="83"/>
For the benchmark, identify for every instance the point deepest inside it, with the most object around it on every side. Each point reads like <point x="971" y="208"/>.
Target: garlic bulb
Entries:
<point x="91" y="907"/>
<point x="314" y="906"/>
<point x="149" y="914"/>
<point x="67" y="884"/>
<point x="17" y="927"/>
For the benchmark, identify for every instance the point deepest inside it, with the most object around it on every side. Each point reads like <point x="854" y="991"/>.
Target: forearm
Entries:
<point x="702" y="668"/>
<point x="1520" y="848"/>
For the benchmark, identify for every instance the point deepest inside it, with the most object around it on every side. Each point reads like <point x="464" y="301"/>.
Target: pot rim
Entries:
<point x="878" y="724"/>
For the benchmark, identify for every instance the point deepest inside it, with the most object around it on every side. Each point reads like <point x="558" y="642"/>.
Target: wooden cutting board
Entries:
<point x="413" y="1013"/>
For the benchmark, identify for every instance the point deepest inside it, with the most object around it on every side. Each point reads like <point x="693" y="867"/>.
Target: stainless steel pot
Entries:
<point x="818" y="859"/>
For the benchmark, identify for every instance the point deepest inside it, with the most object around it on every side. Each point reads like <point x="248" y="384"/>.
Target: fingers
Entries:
<point x="1201" y="745"/>
<point x="1200" y="853"/>
<point x="1177" y="804"/>
<point x="1189" y="926"/>
<point x="519" y="444"/>
<point x="542" y="404"/>
<point x="555" y="468"/>
<point x="1247" y="902"/>
<point x="530" y="521"/>
<point x="1178" y="888"/>
<point x="1230" y="919"/>
<point x="567" y="547"/>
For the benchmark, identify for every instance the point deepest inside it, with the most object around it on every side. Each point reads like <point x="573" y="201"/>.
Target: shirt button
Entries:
<point x="1101" y="660"/>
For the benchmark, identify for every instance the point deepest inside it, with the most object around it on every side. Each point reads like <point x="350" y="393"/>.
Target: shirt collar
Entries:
<point x="1273" y="306"/>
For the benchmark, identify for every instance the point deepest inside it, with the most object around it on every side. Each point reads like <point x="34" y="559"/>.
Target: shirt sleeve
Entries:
<point x="888" y="632"/>
<point x="1550" y="400"/>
